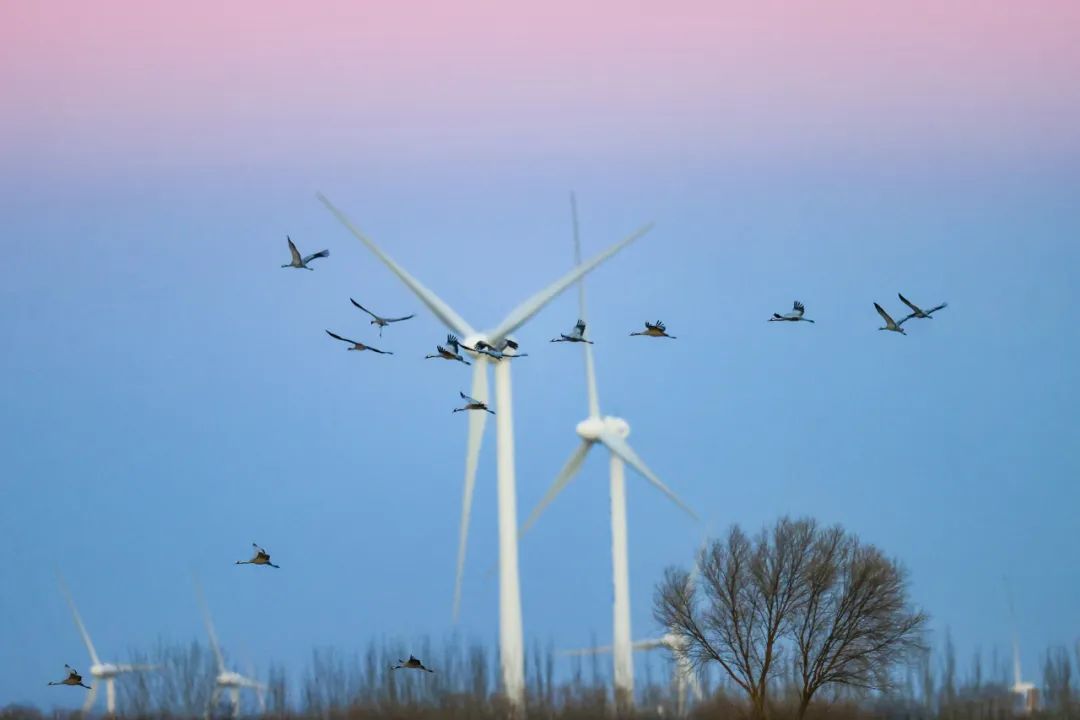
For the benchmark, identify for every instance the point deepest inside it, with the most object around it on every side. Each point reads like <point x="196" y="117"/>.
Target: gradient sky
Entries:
<point x="170" y="395"/>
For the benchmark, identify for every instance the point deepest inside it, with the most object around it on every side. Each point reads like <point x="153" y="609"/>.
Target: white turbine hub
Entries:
<point x="592" y="428"/>
<point x="104" y="671"/>
<point x="230" y="679"/>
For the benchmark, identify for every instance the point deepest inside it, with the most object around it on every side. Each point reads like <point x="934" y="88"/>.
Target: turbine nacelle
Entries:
<point x="230" y="679"/>
<point x="592" y="428"/>
<point x="673" y="642"/>
<point x="104" y="671"/>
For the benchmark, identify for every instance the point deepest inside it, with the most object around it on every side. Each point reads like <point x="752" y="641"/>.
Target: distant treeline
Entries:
<point x="361" y="685"/>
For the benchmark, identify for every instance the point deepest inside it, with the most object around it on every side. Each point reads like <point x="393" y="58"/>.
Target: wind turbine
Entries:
<point x="511" y="644"/>
<point x="226" y="680"/>
<point x="1025" y="690"/>
<point x="683" y="675"/>
<point x="611" y="432"/>
<point x="102" y="672"/>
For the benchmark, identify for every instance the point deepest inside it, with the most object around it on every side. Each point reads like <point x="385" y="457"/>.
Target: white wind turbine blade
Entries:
<point x="209" y="626"/>
<point x="590" y="370"/>
<point x="521" y="314"/>
<point x="434" y="303"/>
<point x="90" y="698"/>
<point x="622" y="449"/>
<point x="78" y="620"/>
<point x="477" y="421"/>
<point x="650" y="644"/>
<point x="601" y="650"/>
<point x="563" y="479"/>
<point x="136" y="668"/>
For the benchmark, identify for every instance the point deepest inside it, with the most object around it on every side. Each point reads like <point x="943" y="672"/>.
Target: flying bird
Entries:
<point x="378" y="319"/>
<point x="301" y="262"/>
<point x="450" y="351"/>
<point x="890" y="324"/>
<point x="918" y="312"/>
<point x="497" y="353"/>
<point x="73" y="678"/>
<point x="358" y="345"/>
<point x="410" y="664"/>
<point x="472" y="404"/>
<point x="261" y="558"/>
<point x="576" y="335"/>
<point x="795" y="315"/>
<point x="657" y="329"/>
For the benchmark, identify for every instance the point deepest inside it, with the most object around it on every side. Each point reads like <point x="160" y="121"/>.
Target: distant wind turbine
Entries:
<point x="102" y="672"/>
<point x="1026" y="691"/>
<point x="511" y="643"/>
<point x="611" y="432"/>
<point x="226" y="679"/>
<point x="685" y="678"/>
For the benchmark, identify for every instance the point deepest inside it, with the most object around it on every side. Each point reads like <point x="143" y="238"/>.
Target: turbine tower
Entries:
<point x="511" y="643"/>
<point x="1027" y="693"/>
<point x="101" y="672"/>
<point x="226" y="679"/>
<point x="611" y="432"/>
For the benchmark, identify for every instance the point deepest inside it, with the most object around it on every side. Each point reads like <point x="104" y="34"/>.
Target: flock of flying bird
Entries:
<point x="507" y="349"/>
<point x="451" y="350"/>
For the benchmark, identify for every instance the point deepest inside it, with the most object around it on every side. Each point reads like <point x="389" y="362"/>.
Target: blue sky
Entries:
<point x="173" y="398"/>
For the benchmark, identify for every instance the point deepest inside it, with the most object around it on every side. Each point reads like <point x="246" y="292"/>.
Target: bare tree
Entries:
<point x="840" y="606"/>
<point x="736" y="613"/>
<point x="855" y="623"/>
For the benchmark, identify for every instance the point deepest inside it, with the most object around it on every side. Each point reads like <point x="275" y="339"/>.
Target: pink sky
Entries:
<point x="556" y="78"/>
